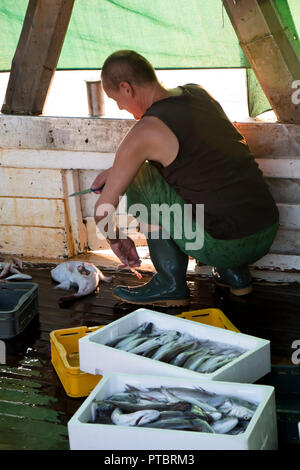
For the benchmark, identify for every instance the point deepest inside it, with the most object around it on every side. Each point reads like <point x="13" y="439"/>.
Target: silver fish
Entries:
<point x="141" y="329"/>
<point x="159" y="406"/>
<point x="135" y="342"/>
<point x="236" y="410"/>
<point x="223" y="426"/>
<point x="156" y="341"/>
<point x="182" y="357"/>
<point x="138" y="418"/>
<point x="117" y="339"/>
<point x="144" y="328"/>
<point x="124" y="342"/>
<point x="174" y="351"/>
<point x="18" y="277"/>
<point x="193" y="362"/>
<point x="196" y="396"/>
<point x="202" y="426"/>
<point x="162" y="351"/>
<point x="179" y="423"/>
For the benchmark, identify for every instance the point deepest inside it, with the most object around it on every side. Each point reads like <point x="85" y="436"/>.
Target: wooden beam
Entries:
<point x="271" y="50"/>
<point x="36" y="56"/>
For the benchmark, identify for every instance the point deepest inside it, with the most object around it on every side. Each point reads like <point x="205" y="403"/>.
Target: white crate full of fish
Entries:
<point x="147" y="412"/>
<point x="148" y="342"/>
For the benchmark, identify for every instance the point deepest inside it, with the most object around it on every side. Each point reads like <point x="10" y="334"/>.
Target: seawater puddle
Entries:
<point x="20" y="371"/>
<point x="31" y="361"/>
<point x="28" y="418"/>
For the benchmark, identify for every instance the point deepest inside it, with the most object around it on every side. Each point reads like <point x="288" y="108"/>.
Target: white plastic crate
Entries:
<point x="261" y="433"/>
<point x="96" y="358"/>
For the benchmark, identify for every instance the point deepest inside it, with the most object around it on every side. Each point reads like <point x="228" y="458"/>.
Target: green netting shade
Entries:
<point x="172" y="34"/>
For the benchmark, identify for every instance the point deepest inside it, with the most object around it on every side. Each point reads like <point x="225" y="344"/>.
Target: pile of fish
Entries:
<point x="10" y="269"/>
<point x="180" y="408"/>
<point x="179" y="349"/>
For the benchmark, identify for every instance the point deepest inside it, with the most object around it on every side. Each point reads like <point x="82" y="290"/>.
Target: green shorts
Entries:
<point x="152" y="193"/>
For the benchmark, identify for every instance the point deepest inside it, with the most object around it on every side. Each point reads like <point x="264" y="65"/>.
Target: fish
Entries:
<point x="197" y="358"/>
<point x="196" y="424"/>
<point x="18" y="277"/>
<point x="175" y="350"/>
<point x="153" y="342"/>
<point x="213" y="363"/>
<point x="138" y="418"/>
<point x="9" y="269"/>
<point x="124" y="342"/>
<point x="232" y="408"/>
<point x="132" y="407"/>
<point x="144" y="329"/>
<point x="182" y="357"/>
<point x="164" y="349"/>
<point x="85" y="276"/>
<point x="181" y="408"/>
<point x="134" y="343"/>
<point x="223" y="426"/>
<point x="194" y="396"/>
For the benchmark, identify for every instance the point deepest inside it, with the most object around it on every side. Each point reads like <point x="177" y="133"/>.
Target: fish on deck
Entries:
<point x="83" y="275"/>
<point x="9" y="269"/>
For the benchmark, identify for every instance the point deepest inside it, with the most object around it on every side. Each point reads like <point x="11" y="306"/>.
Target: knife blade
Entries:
<point x="86" y="191"/>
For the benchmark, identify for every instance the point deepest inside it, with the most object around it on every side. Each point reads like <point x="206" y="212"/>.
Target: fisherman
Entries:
<point x="183" y="151"/>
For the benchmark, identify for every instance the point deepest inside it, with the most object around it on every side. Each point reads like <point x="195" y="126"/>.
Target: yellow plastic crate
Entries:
<point x="209" y="316"/>
<point x="65" y="360"/>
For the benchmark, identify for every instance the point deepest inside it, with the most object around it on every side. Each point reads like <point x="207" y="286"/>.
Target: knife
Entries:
<point x="86" y="191"/>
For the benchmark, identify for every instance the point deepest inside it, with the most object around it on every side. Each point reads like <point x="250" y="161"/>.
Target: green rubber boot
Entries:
<point x="168" y="287"/>
<point x="238" y="279"/>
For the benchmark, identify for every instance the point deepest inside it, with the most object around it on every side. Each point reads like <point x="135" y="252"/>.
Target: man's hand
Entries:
<point x="125" y="250"/>
<point x="100" y="180"/>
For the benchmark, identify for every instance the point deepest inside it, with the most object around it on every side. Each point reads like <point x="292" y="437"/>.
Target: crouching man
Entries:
<point x="185" y="153"/>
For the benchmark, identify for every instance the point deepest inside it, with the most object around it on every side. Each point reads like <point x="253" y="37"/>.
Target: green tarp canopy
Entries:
<point x="172" y="34"/>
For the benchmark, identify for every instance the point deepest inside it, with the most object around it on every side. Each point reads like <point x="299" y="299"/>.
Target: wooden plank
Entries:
<point x="285" y="190"/>
<point x="272" y="140"/>
<point x="279" y="168"/>
<point x="269" y="46"/>
<point x="289" y="215"/>
<point x="34" y="241"/>
<point x="55" y="159"/>
<point x="36" y="56"/>
<point x="104" y="135"/>
<point x="74" y="215"/>
<point x="287" y="242"/>
<point x="279" y="262"/>
<point x="61" y="133"/>
<point x="20" y="182"/>
<point x="32" y="212"/>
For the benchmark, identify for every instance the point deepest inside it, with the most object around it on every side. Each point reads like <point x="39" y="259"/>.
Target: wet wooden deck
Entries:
<point x="34" y="409"/>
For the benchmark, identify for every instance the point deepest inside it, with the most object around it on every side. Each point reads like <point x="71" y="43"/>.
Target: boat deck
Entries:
<point x="34" y="408"/>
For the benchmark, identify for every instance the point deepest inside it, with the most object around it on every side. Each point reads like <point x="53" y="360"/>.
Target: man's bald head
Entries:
<point x="127" y="66"/>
